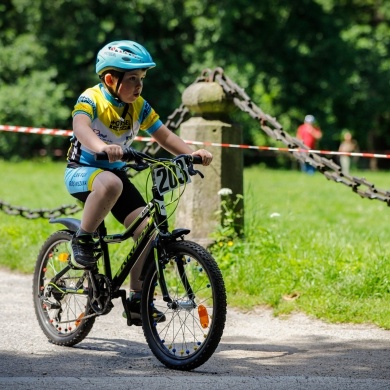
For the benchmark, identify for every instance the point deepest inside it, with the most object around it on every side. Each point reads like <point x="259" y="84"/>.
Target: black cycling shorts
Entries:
<point x="129" y="200"/>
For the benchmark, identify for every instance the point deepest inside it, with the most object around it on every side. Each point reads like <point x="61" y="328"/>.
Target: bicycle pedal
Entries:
<point x="131" y="321"/>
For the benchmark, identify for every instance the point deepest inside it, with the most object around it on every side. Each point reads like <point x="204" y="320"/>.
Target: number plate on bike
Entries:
<point x="172" y="176"/>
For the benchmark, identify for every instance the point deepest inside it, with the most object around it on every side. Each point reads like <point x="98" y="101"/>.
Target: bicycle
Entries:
<point x="180" y="278"/>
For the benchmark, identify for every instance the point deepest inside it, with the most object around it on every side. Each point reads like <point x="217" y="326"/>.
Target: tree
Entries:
<point x="325" y="57"/>
<point x="329" y="58"/>
<point x="49" y="52"/>
<point x="29" y="92"/>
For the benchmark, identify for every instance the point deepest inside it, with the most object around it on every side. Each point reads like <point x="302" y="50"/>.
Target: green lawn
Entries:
<point x="310" y="244"/>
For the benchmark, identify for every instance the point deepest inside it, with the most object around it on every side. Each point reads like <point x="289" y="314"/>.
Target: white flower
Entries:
<point x="275" y="215"/>
<point x="225" y="191"/>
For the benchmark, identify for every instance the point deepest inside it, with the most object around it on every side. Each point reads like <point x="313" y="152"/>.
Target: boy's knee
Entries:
<point x="114" y="186"/>
<point x="108" y="183"/>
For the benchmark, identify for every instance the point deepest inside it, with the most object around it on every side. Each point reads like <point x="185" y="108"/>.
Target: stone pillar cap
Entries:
<point x="206" y="98"/>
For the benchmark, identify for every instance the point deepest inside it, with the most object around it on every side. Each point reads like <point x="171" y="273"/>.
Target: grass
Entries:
<point x="35" y="186"/>
<point x="310" y="245"/>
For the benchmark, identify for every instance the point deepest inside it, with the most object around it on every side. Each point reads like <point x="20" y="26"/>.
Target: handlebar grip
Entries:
<point x="101" y="156"/>
<point x="196" y="160"/>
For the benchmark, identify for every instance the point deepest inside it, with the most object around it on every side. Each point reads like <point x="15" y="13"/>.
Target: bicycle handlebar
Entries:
<point x="143" y="160"/>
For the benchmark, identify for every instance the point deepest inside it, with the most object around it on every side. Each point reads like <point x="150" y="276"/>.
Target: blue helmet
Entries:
<point x="123" y="56"/>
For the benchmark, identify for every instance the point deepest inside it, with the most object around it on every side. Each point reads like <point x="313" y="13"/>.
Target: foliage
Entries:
<point x="230" y="228"/>
<point x="325" y="57"/>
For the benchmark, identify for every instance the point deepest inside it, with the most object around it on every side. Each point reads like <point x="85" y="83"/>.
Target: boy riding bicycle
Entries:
<point x="107" y="118"/>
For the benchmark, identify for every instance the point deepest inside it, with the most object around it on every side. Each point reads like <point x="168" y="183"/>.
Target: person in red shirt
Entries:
<point x="309" y="134"/>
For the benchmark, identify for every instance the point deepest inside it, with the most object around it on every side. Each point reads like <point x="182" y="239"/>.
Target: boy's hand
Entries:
<point x="207" y="157"/>
<point x="114" y="152"/>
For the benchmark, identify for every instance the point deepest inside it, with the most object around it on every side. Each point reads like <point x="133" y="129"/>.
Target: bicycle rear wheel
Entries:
<point x="195" y="319"/>
<point x="61" y="303"/>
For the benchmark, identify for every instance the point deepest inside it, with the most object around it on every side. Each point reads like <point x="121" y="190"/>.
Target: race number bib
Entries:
<point x="168" y="178"/>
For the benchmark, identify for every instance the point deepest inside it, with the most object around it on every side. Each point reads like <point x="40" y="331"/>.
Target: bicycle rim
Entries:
<point x="62" y="305"/>
<point x="195" y="319"/>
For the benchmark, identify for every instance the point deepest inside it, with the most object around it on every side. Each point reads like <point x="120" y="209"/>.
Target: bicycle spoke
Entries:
<point x="192" y="278"/>
<point x="61" y="293"/>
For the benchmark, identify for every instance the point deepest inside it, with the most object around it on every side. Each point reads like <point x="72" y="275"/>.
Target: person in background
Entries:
<point x="348" y="145"/>
<point x="309" y="134"/>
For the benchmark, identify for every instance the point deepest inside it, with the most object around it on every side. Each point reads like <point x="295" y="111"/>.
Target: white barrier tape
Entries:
<point x="355" y="154"/>
<point x="36" y="130"/>
<point x="68" y="133"/>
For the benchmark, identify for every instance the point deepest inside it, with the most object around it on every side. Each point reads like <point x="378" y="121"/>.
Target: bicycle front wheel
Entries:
<point x="60" y="293"/>
<point x="194" y="319"/>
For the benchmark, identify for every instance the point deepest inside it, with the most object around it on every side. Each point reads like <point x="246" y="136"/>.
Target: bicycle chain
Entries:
<point x="268" y="124"/>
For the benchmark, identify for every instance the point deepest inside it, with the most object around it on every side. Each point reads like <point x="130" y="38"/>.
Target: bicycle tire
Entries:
<point x="180" y="342"/>
<point x="62" y="316"/>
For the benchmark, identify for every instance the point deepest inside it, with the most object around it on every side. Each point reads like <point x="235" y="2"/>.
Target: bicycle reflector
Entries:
<point x="203" y="316"/>
<point x="63" y="257"/>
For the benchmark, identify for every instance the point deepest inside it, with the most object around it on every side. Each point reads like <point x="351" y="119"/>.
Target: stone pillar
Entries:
<point x="210" y="123"/>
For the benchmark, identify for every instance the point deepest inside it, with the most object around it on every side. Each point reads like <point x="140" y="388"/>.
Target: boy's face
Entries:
<point x="131" y="86"/>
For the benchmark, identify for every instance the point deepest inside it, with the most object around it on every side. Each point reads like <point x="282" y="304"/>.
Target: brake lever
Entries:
<point x="194" y="172"/>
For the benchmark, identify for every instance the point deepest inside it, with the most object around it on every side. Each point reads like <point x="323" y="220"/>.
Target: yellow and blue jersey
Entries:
<point x="108" y="124"/>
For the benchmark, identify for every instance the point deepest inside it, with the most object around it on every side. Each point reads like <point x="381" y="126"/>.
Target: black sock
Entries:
<point x="82" y="232"/>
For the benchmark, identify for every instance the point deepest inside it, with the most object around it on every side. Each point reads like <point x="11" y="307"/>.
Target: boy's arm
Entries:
<point x="175" y="145"/>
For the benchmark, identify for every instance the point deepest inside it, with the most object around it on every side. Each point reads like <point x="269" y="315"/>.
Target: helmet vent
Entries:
<point x="130" y="56"/>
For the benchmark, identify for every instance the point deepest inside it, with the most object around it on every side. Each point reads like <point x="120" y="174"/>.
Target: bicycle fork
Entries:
<point x="161" y="257"/>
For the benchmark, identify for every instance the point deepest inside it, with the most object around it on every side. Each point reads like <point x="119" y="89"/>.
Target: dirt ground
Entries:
<point x="257" y="351"/>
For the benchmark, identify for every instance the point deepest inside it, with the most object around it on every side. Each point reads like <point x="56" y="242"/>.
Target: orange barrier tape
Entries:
<point x="68" y="133"/>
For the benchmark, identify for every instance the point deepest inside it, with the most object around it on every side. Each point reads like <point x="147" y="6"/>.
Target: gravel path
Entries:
<point x="257" y="351"/>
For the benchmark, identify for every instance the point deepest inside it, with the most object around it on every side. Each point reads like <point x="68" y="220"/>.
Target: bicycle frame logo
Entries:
<point x="137" y="243"/>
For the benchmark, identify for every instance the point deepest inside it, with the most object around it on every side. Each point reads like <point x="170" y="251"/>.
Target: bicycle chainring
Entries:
<point x="100" y="300"/>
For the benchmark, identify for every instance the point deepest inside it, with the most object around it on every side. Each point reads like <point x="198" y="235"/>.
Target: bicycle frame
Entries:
<point x="182" y="305"/>
<point x="156" y="228"/>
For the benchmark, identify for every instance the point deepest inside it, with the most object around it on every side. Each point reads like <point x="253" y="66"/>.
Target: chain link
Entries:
<point x="39" y="213"/>
<point x="268" y="124"/>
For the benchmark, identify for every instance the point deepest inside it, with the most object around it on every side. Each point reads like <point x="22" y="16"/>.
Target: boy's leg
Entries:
<point x="134" y="300"/>
<point x="106" y="189"/>
<point x="135" y="283"/>
<point x="126" y="209"/>
<point x="99" y="190"/>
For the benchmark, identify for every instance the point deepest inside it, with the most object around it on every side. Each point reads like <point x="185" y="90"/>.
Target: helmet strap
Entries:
<point x="115" y="94"/>
<point x="125" y="111"/>
<point x="118" y="84"/>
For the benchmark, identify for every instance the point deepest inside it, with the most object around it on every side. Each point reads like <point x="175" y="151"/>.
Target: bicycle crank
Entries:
<point x="100" y="293"/>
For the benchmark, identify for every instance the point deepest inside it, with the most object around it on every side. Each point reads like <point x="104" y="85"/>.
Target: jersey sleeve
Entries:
<point x="86" y="104"/>
<point x="150" y="120"/>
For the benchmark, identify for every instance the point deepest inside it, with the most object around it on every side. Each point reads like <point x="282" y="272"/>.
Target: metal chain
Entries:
<point x="268" y="124"/>
<point x="274" y="130"/>
<point x="39" y="213"/>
